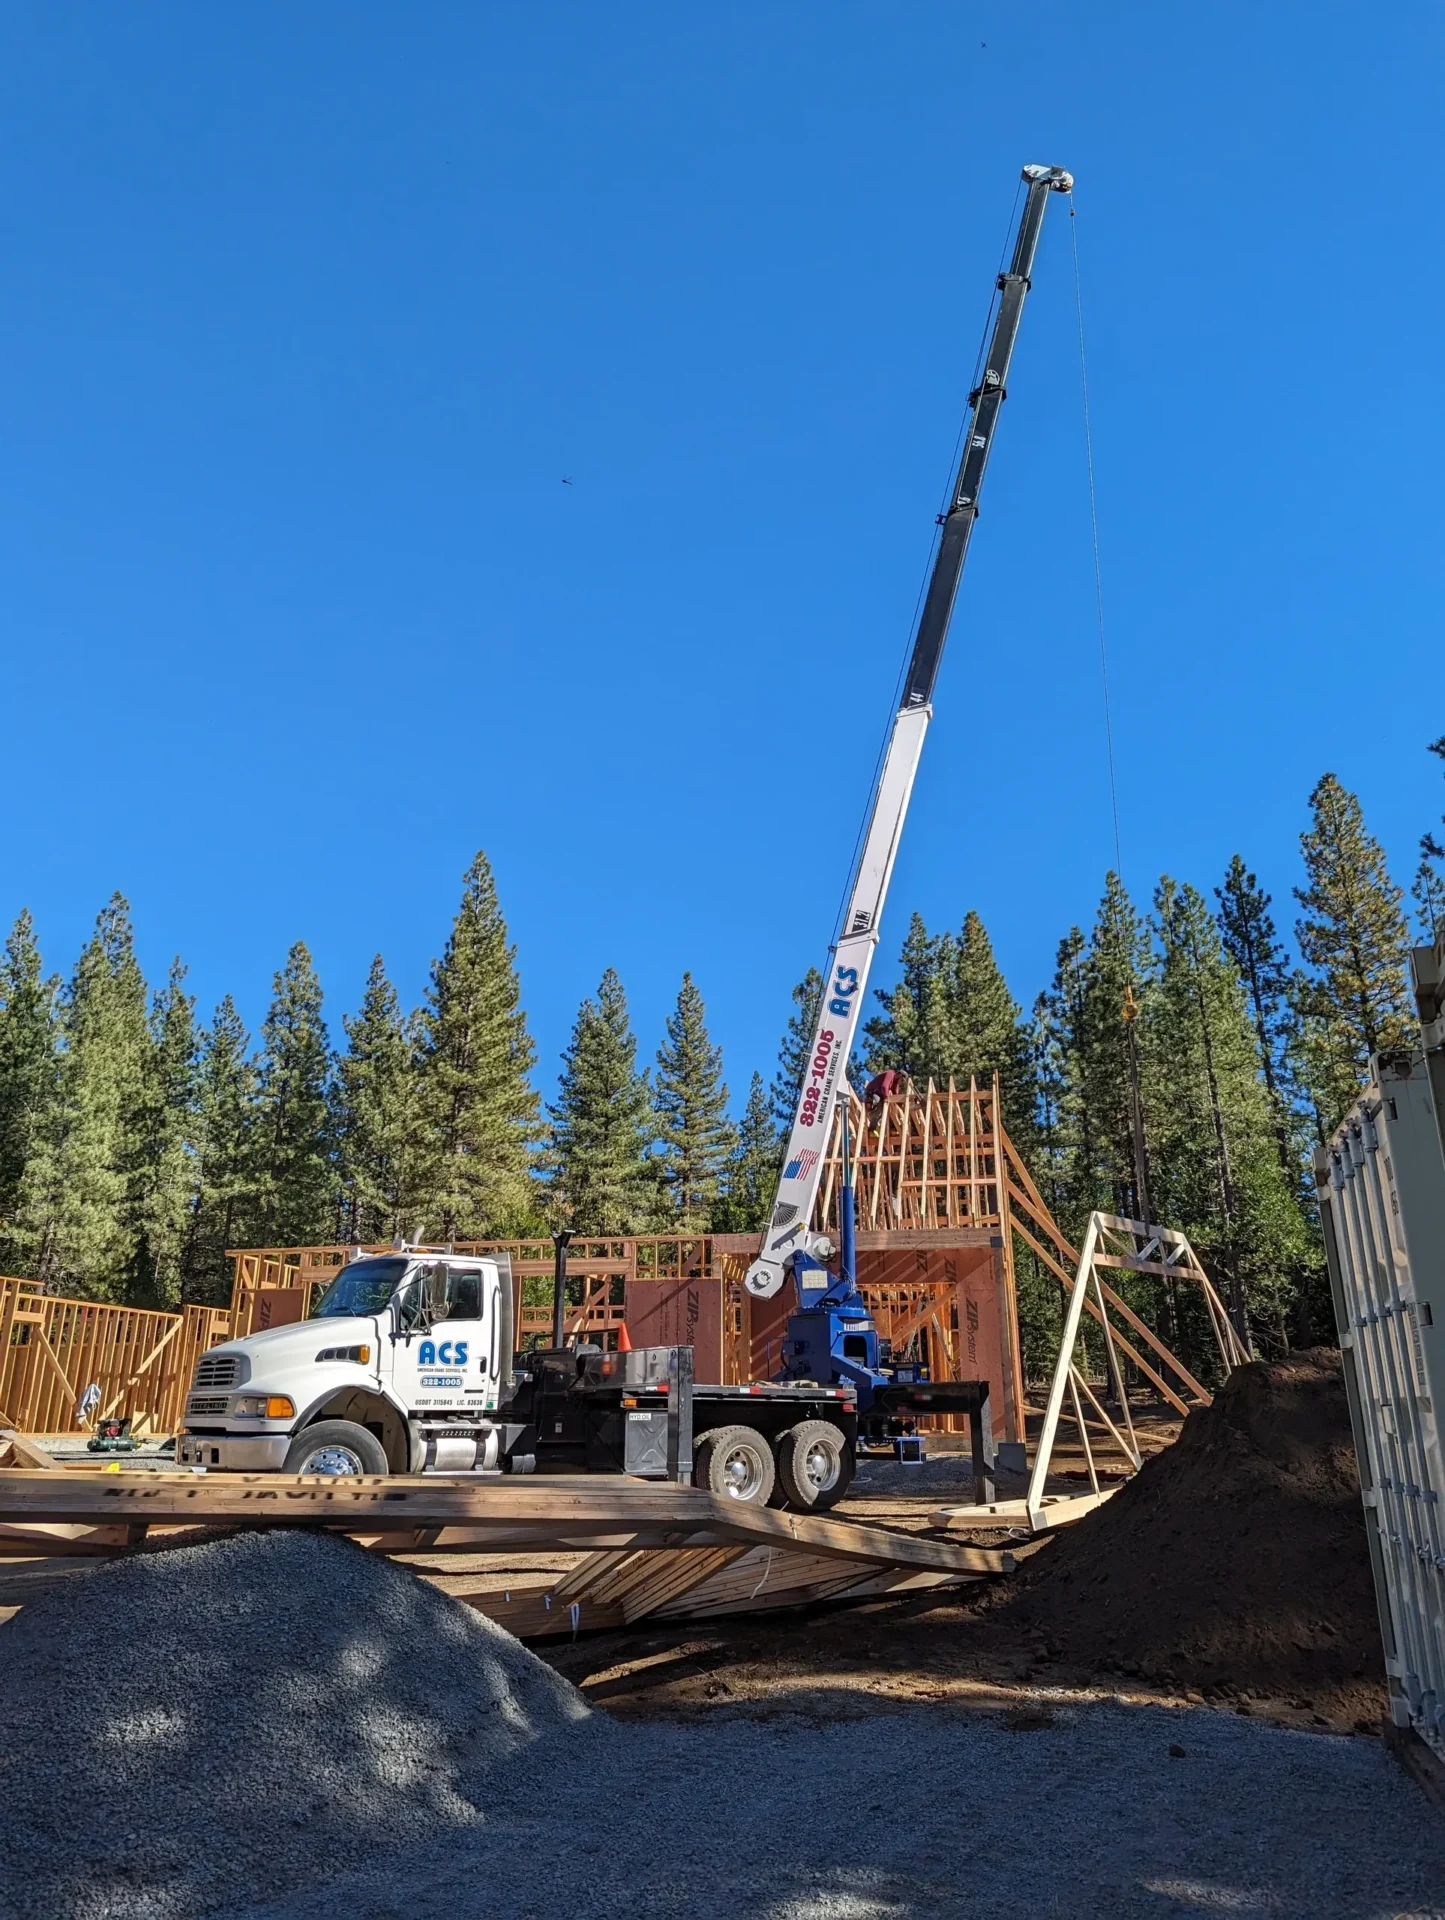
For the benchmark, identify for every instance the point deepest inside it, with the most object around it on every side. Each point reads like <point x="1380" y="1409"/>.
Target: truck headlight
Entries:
<point x="264" y="1406"/>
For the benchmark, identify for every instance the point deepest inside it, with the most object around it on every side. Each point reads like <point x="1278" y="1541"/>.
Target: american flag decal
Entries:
<point x="805" y="1163"/>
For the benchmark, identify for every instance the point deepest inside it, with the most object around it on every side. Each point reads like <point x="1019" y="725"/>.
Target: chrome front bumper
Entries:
<point x="232" y="1452"/>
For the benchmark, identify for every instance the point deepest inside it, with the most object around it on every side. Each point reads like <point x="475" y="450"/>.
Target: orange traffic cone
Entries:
<point x="624" y="1339"/>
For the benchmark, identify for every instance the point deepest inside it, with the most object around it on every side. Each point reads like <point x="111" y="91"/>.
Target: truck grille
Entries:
<point x="215" y="1370"/>
<point x="205" y="1403"/>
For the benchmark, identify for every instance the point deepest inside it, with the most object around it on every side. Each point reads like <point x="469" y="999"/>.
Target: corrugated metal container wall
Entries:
<point x="1382" y="1200"/>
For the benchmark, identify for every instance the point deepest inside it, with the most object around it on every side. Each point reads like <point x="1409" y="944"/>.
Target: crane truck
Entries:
<point x="406" y="1363"/>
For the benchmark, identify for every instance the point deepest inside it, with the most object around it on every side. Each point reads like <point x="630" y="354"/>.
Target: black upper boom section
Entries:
<point x="984" y="404"/>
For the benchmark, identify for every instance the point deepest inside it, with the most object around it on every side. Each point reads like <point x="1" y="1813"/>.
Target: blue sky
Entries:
<point x="305" y="313"/>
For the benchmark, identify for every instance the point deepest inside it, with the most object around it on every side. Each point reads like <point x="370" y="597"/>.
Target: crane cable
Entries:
<point x="933" y="540"/>
<point x="1094" y="531"/>
<point x="1130" y="1010"/>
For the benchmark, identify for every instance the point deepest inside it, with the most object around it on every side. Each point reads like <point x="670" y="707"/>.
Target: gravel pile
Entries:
<point x="247" y="1713"/>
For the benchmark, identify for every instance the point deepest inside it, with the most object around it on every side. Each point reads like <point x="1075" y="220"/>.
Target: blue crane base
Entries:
<point x="832" y="1340"/>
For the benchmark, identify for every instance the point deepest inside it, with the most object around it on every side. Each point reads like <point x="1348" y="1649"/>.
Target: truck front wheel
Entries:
<point x="735" y="1463"/>
<point x="335" y="1446"/>
<point x="815" y="1465"/>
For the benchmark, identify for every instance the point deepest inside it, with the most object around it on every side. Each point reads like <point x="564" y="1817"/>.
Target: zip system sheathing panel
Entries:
<point x="1381" y="1185"/>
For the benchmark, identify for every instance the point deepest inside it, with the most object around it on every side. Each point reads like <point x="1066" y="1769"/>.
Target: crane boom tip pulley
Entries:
<point x="824" y="1071"/>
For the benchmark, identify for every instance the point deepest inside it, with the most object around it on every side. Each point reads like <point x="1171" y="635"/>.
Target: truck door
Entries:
<point x="449" y="1363"/>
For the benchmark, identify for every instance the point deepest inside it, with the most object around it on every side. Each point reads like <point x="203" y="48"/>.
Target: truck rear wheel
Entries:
<point x="815" y="1465"/>
<point x="735" y="1463"/>
<point x="335" y="1447"/>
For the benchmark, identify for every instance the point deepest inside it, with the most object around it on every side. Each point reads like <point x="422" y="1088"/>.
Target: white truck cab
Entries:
<point x="396" y="1371"/>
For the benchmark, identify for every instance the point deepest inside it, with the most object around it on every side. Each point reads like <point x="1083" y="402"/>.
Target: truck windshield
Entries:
<point x="363" y="1287"/>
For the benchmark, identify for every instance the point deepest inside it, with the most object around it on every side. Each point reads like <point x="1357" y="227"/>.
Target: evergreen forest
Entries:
<point x="1182" y="1064"/>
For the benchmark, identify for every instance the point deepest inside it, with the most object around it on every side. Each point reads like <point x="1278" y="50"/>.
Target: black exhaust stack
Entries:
<point x="561" y="1241"/>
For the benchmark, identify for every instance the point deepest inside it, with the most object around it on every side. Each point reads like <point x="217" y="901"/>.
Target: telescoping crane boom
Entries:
<point x="847" y="976"/>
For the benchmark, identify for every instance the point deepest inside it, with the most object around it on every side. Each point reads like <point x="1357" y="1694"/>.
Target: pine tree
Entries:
<point x="1310" y="1055"/>
<point x="1428" y="890"/>
<point x="165" y="1157"/>
<point x="476" y="1055"/>
<point x="75" y="1224"/>
<point x="951" y="1015"/>
<point x="1428" y="893"/>
<point x="1353" y="937"/>
<point x="752" y="1171"/>
<point x="1084" y="1145"/>
<point x="986" y="1030"/>
<point x="29" y="1067"/>
<point x="911" y="1034"/>
<point x="224" y="1207"/>
<point x="603" y="1180"/>
<point x="293" y="1171"/>
<point x="1112" y="975"/>
<point x="1052" y="1027"/>
<point x="796" y="1045"/>
<point x="1215" y="1162"/>
<point x="378" y="1118"/>
<point x="690" y="1102"/>
<point x="1051" y="1141"/>
<point x="1250" y="940"/>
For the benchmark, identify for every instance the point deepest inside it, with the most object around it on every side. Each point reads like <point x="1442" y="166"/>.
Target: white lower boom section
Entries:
<point x="840" y="1009"/>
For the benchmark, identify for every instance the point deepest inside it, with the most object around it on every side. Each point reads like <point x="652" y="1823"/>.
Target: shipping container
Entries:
<point x="1381" y="1183"/>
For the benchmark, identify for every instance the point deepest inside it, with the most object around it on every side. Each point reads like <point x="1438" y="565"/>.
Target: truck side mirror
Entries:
<point x="421" y="1301"/>
<point x="406" y="1311"/>
<point x="434" y="1293"/>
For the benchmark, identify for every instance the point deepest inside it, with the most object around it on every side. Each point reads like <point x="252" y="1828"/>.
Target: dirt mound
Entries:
<point x="1234" y="1563"/>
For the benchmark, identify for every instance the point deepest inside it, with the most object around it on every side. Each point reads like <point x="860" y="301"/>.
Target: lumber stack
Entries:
<point x="649" y="1551"/>
<point x="615" y="1588"/>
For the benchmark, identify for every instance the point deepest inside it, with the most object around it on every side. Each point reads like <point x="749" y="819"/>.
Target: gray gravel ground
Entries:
<point x="935" y="1815"/>
<point x="939" y="1473"/>
<point x="283" y="1728"/>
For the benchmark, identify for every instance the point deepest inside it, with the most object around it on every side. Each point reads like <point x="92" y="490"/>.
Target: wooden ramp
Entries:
<point x="649" y="1551"/>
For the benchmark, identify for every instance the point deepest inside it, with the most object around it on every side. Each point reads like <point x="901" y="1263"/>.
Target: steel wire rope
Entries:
<point x="945" y="502"/>
<point x="1094" y="534"/>
<point x="1130" y="1010"/>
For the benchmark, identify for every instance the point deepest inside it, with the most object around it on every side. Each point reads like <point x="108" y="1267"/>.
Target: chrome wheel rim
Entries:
<point x="821" y="1466"/>
<point x="742" y="1474"/>
<point x="332" y="1460"/>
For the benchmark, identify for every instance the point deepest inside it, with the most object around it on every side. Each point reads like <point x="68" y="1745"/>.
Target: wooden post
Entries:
<point x="9" y="1303"/>
<point x="1014" y="1389"/>
<point x="928" y="1212"/>
<point x="972" y="1151"/>
<point x="950" y="1132"/>
<point x="905" y="1124"/>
